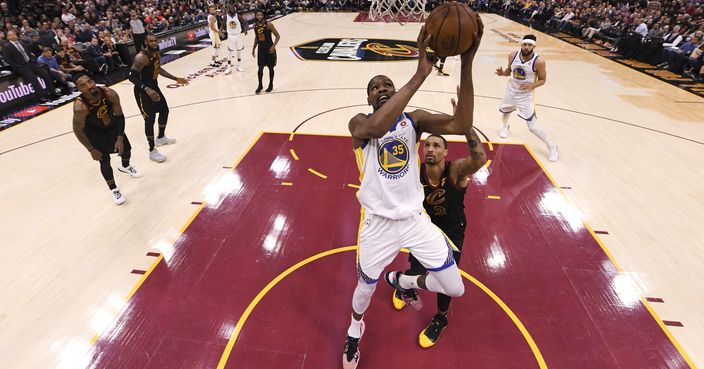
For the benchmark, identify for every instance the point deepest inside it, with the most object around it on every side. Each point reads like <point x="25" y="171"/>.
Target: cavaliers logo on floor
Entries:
<point x="357" y="49"/>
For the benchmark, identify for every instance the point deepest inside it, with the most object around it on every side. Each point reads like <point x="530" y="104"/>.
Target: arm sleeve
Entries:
<point x="136" y="80"/>
<point x="120" y="124"/>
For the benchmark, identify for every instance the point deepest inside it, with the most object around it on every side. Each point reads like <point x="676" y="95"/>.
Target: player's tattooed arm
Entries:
<point x="476" y="159"/>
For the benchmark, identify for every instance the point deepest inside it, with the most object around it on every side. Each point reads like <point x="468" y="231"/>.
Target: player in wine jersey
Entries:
<point x="527" y="72"/>
<point x="266" y="48"/>
<point x="214" y="33"/>
<point x="99" y="125"/>
<point x="145" y="71"/>
<point x="391" y="196"/>
<point x="445" y="184"/>
<point x="235" y="25"/>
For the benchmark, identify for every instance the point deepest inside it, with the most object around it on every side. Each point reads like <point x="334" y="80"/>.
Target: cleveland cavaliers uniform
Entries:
<point x="444" y="202"/>
<point x="214" y="36"/>
<point x="149" y="75"/>
<point x="100" y="127"/>
<point x="392" y="205"/>
<point x="262" y="36"/>
<point x="234" y="33"/>
<point x="521" y="73"/>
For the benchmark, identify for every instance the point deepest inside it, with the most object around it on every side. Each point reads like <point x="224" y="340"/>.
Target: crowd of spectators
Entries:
<point x="666" y="33"/>
<point x="54" y="40"/>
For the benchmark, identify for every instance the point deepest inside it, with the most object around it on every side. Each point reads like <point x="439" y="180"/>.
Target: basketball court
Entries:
<point x="239" y="250"/>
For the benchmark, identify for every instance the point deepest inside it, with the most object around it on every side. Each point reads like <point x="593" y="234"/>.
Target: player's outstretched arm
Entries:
<point x="464" y="114"/>
<point x="179" y="80"/>
<point x="476" y="159"/>
<point x="461" y="121"/>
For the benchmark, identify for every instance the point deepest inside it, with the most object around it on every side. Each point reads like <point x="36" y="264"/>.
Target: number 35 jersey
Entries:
<point x="390" y="174"/>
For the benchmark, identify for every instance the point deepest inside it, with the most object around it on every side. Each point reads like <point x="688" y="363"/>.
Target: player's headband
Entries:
<point x="529" y="41"/>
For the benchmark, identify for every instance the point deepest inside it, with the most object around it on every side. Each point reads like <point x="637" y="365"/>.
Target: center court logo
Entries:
<point x="393" y="159"/>
<point x="357" y="49"/>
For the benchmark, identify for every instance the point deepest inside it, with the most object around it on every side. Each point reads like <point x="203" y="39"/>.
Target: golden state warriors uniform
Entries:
<point x="214" y="36"/>
<point x="234" y="33"/>
<point x="521" y="73"/>
<point x="392" y="196"/>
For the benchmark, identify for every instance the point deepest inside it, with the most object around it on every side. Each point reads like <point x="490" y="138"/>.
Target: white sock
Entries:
<point x="408" y="281"/>
<point x="239" y="55"/>
<point x="355" y="329"/>
<point x="229" y="55"/>
<point x="539" y="132"/>
<point x="504" y="118"/>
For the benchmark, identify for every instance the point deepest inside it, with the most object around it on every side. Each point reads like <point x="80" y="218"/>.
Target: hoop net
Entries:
<point x="401" y="11"/>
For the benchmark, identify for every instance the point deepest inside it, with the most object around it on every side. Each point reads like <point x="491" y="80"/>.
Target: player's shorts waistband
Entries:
<point x="415" y="215"/>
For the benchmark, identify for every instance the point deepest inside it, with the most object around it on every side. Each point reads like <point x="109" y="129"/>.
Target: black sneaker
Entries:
<point x="268" y="89"/>
<point x="430" y="335"/>
<point x="258" y="90"/>
<point x="350" y="356"/>
<point x="409" y="296"/>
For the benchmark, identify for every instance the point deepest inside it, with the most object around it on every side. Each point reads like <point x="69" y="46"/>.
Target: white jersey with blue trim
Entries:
<point x="234" y="27"/>
<point x="521" y="73"/>
<point x="210" y="16"/>
<point x="390" y="172"/>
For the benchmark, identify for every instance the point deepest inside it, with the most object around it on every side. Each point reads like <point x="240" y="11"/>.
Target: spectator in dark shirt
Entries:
<point x="60" y="78"/>
<point x="47" y="37"/>
<point x="82" y="35"/>
<point x="94" y="54"/>
<point x="65" y="63"/>
<point x="110" y="53"/>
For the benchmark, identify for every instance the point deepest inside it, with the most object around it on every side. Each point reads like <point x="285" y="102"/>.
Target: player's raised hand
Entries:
<point x="425" y="65"/>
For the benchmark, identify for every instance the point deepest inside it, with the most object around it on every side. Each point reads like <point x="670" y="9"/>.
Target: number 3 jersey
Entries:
<point x="390" y="174"/>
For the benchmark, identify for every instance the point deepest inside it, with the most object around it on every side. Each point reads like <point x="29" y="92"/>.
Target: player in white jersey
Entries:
<point x="527" y="71"/>
<point x="386" y="148"/>
<point x="235" y="26"/>
<point x="214" y="33"/>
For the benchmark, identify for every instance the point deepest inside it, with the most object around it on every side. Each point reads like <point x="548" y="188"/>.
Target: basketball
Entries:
<point x="452" y="26"/>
